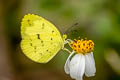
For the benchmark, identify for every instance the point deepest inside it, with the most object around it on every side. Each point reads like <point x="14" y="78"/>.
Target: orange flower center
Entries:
<point x="82" y="46"/>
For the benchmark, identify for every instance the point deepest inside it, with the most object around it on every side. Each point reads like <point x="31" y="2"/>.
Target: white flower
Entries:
<point x="80" y="63"/>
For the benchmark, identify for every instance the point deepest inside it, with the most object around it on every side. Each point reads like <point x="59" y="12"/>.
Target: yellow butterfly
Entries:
<point x="41" y="40"/>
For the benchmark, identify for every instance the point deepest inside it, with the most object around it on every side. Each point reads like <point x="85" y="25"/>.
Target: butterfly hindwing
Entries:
<point x="40" y="39"/>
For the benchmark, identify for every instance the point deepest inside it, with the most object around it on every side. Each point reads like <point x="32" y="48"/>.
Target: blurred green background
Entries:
<point x="98" y="20"/>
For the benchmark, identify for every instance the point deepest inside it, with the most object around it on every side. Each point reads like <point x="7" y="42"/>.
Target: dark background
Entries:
<point x="98" y="20"/>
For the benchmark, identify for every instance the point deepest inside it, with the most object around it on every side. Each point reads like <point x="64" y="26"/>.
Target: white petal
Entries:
<point x="67" y="64"/>
<point x="90" y="68"/>
<point x="77" y="66"/>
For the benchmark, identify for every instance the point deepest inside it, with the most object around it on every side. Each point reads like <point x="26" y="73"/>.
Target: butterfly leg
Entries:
<point x="68" y="41"/>
<point x="67" y="50"/>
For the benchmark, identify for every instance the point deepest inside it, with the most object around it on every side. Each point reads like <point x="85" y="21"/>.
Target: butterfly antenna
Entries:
<point x="67" y="31"/>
